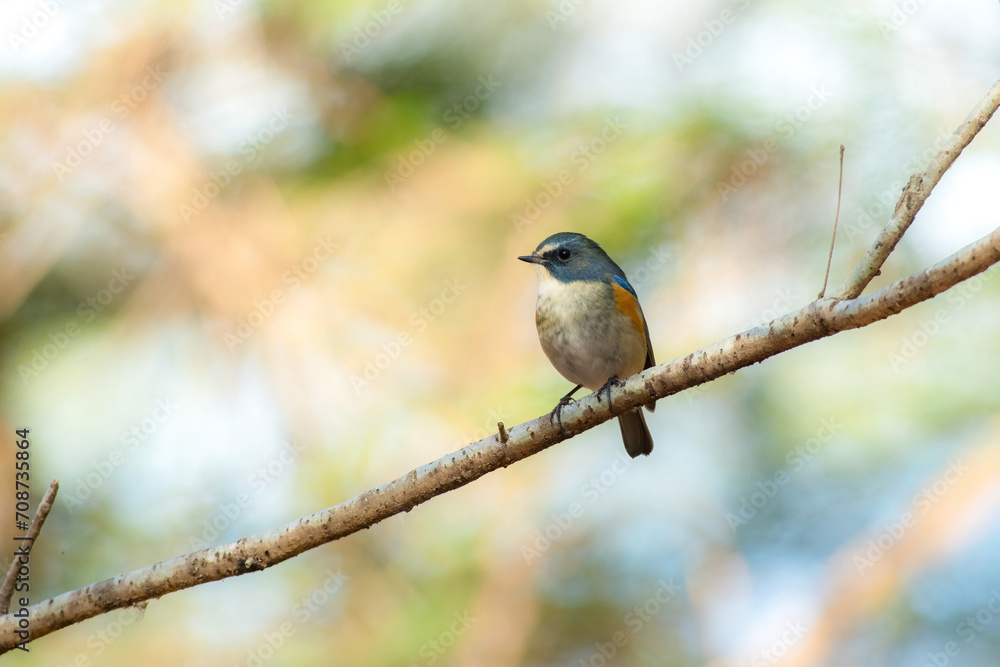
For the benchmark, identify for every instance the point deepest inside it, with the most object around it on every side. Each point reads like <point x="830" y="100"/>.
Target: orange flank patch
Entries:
<point x="628" y="305"/>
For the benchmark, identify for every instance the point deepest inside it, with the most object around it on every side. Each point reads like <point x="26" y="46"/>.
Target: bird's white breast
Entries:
<point x="583" y="334"/>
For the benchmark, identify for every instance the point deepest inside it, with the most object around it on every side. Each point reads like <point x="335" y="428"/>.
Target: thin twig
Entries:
<point x="503" y="433"/>
<point x="7" y="591"/>
<point x="916" y="193"/>
<point x="836" y="219"/>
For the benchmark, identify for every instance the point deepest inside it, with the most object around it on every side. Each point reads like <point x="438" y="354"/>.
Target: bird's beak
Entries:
<point x="531" y="259"/>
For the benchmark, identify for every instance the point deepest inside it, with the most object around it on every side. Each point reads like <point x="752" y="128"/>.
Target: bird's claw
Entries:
<point x="613" y="381"/>
<point x="557" y="413"/>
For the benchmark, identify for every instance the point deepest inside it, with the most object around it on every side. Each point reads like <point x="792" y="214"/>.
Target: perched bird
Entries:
<point x="590" y="324"/>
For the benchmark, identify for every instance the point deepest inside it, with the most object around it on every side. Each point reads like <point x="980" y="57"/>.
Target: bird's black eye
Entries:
<point x="563" y="254"/>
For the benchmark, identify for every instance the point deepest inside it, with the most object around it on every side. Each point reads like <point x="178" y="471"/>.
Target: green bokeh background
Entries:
<point x="314" y="210"/>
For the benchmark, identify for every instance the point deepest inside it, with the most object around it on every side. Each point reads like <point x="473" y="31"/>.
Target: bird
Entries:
<point x="590" y="325"/>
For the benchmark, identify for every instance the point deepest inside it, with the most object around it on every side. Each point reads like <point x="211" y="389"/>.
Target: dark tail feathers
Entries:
<point x="635" y="433"/>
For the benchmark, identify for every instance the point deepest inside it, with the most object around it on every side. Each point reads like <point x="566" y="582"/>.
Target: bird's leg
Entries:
<point x="563" y="402"/>
<point x="613" y="381"/>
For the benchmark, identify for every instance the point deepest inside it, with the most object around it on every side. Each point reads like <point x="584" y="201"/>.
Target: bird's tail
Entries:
<point x="635" y="433"/>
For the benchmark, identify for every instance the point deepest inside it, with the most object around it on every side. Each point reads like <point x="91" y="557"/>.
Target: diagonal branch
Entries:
<point x="42" y="513"/>
<point x="817" y="320"/>
<point x="916" y="192"/>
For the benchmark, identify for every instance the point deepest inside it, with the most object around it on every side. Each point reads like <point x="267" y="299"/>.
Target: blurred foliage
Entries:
<point x="313" y="211"/>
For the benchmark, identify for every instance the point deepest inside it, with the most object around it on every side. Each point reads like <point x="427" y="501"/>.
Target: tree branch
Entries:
<point x="916" y="192"/>
<point x="37" y="522"/>
<point x="817" y="320"/>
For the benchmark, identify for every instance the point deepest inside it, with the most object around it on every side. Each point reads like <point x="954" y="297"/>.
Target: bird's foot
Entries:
<point x="613" y="381"/>
<point x="556" y="413"/>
